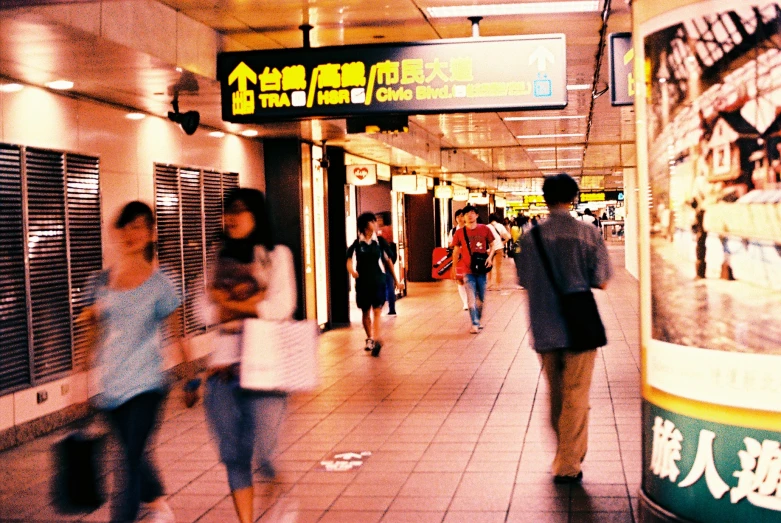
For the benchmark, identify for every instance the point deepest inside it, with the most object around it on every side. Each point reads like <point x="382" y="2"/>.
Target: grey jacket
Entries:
<point x="580" y="261"/>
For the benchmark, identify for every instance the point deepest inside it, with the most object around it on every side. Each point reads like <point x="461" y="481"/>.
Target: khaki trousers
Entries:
<point x="569" y="379"/>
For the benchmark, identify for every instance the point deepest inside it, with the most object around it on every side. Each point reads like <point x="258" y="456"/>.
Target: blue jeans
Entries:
<point x="390" y="290"/>
<point x="243" y="421"/>
<point x="475" y="291"/>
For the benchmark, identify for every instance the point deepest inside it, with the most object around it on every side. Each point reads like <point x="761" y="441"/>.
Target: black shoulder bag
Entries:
<point x="579" y="309"/>
<point x="477" y="259"/>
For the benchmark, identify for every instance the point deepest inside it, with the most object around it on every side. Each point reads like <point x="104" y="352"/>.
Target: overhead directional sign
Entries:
<point x="463" y="75"/>
<point x="622" y="63"/>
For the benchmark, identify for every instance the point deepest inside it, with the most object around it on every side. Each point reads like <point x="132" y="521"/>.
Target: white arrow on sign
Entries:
<point x="542" y="56"/>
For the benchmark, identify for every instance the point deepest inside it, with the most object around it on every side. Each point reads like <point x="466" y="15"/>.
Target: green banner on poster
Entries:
<point x="706" y="471"/>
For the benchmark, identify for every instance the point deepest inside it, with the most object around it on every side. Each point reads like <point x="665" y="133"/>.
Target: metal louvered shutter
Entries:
<point x="48" y="262"/>
<point x="84" y="229"/>
<point x="229" y="181"/>
<point x="14" y="344"/>
<point x="192" y="250"/>
<point x="169" y="235"/>
<point x="212" y="217"/>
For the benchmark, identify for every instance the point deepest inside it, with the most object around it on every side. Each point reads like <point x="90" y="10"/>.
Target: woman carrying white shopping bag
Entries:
<point x="254" y="278"/>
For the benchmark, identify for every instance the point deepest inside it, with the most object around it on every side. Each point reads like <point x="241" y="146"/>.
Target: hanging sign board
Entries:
<point x="477" y="198"/>
<point x="443" y="192"/>
<point x="460" y="194"/>
<point x="440" y="76"/>
<point x="622" y="63"/>
<point x="362" y="174"/>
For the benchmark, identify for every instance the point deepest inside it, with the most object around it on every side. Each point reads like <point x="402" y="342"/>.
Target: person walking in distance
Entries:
<point x="459" y="279"/>
<point x="129" y="304"/>
<point x="474" y="241"/>
<point x="579" y="262"/>
<point x="372" y="260"/>
<point x="254" y="278"/>
<point x="502" y="236"/>
<point x="385" y="231"/>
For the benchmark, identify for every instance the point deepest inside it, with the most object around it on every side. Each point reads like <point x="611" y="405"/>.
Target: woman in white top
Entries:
<point x="500" y="231"/>
<point x="254" y="278"/>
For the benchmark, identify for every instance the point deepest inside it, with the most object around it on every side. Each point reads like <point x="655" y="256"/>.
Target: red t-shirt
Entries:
<point x="480" y="239"/>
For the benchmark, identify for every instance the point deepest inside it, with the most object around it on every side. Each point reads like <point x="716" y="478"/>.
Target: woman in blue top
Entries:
<point x="128" y="304"/>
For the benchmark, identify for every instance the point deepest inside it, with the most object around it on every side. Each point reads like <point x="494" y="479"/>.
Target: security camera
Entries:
<point x="188" y="121"/>
<point x="324" y="163"/>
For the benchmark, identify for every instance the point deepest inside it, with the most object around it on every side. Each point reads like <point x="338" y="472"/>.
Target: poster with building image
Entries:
<point x="713" y="354"/>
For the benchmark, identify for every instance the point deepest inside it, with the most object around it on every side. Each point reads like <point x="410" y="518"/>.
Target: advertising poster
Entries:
<point x="712" y="347"/>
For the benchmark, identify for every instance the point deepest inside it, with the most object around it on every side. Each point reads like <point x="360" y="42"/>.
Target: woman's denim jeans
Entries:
<point x="243" y="421"/>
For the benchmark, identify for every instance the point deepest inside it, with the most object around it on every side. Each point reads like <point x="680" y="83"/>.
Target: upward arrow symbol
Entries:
<point x="242" y="73"/>
<point x="542" y="56"/>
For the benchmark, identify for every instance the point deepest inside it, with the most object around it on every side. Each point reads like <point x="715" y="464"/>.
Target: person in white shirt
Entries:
<point x="459" y="215"/>
<point x="502" y="235"/>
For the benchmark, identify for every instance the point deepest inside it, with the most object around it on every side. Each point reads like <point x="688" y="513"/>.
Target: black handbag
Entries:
<point x="579" y="309"/>
<point x="78" y="484"/>
<point x="477" y="259"/>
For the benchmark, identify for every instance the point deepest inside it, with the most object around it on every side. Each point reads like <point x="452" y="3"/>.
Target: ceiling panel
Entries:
<point x="35" y="51"/>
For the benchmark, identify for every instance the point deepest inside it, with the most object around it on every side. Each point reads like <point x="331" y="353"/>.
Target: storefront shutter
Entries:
<point x="169" y="234"/>
<point x="14" y="346"/>
<point x="212" y="217"/>
<point x="192" y="240"/>
<point x="48" y="262"/>
<point x="84" y="229"/>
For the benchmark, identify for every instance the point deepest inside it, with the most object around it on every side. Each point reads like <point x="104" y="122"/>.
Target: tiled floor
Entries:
<point x="455" y="423"/>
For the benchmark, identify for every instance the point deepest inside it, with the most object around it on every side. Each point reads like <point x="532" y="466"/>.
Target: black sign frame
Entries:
<point x="312" y="58"/>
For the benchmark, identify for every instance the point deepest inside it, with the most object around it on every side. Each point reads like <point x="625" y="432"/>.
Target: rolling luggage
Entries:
<point x="441" y="263"/>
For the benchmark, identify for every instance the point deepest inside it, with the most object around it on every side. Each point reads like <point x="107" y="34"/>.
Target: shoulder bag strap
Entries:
<point x="544" y="257"/>
<point x="466" y="240"/>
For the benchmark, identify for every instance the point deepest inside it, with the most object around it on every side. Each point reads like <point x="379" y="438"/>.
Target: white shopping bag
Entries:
<point x="279" y="355"/>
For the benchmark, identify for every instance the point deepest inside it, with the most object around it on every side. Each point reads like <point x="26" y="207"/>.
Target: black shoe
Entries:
<point x="391" y="313"/>
<point x="568" y="480"/>
<point x="376" y="349"/>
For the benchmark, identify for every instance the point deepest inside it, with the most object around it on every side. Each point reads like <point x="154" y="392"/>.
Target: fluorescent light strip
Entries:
<point x="528" y="118"/>
<point x="579" y="87"/>
<point x="135" y="116"/>
<point x="565" y="135"/>
<point x="564" y="148"/>
<point x="217" y="134"/>
<point x="11" y="88"/>
<point x="60" y="85"/>
<point x="249" y="133"/>
<point x="522" y="8"/>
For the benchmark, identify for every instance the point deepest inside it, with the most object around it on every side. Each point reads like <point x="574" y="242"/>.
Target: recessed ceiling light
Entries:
<point x="578" y="87"/>
<point x="249" y="133"/>
<point x="60" y="85"/>
<point x="179" y="69"/>
<point x="527" y="118"/>
<point x="11" y="88"/>
<point x="135" y="116"/>
<point x="564" y="135"/>
<point x="521" y="8"/>
<point x="216" y="134"/>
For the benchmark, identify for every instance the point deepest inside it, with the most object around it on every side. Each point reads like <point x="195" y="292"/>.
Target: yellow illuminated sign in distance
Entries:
<point x="461" y="75"/>
<point x="592" y="197"/>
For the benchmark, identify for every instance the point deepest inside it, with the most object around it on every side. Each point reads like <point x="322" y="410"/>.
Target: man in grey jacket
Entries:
<point x="579" y="261"/>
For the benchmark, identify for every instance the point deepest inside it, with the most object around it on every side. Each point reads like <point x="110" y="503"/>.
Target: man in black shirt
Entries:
<point x="372" y="260"/>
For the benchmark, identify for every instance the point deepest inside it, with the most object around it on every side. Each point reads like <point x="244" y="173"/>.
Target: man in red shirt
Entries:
<point x="473" y="240"/>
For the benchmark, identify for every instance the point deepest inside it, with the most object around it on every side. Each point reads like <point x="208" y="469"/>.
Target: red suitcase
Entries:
<point x="441" y="263"/>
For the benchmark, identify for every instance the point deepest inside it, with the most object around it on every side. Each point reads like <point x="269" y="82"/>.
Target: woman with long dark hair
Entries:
<point x="254" y="278"/>
<point x="130" y="302"/>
